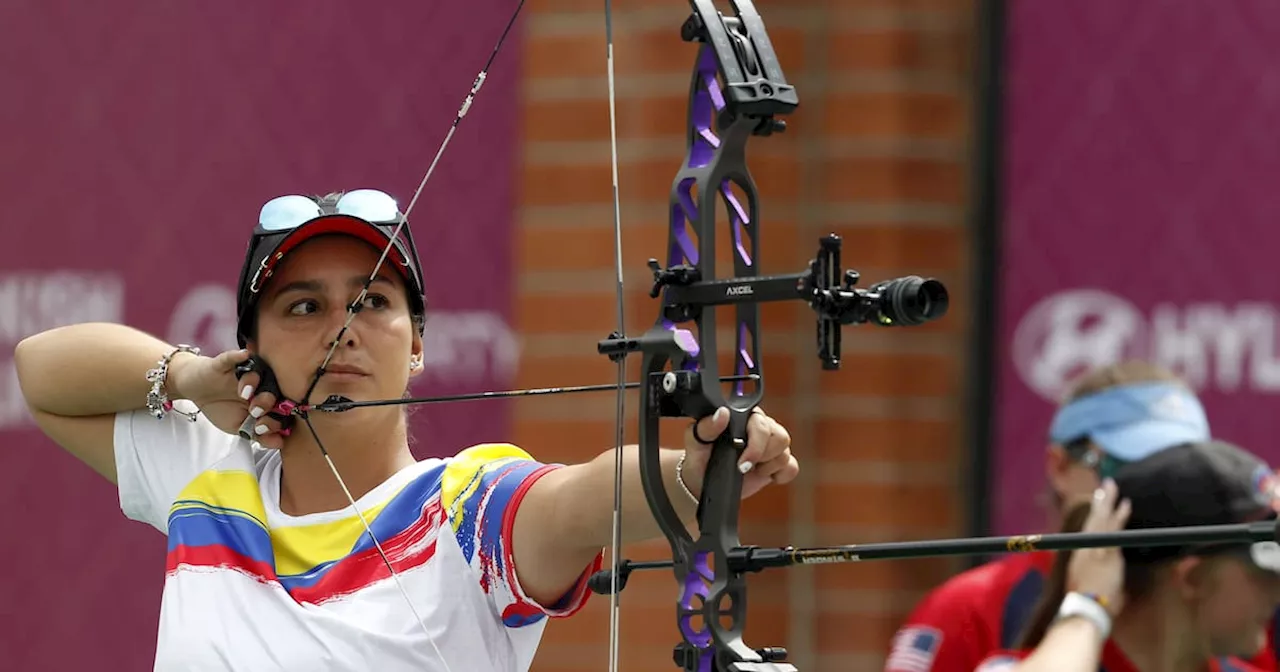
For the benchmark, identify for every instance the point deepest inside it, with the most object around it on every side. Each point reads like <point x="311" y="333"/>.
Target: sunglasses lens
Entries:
<point x="287" y="212"/>
<point x="370" y="205"/>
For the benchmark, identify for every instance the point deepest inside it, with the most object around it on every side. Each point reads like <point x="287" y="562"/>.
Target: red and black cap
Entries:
<point x="289" y="221"/>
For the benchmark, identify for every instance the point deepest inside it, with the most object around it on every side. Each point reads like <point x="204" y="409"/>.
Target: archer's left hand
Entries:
<point x="766" y="459"/>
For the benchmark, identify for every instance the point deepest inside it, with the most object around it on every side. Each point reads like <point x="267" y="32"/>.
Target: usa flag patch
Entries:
<point x="914" y="649"/>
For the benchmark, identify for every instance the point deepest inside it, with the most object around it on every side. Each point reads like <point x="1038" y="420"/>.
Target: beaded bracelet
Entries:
<point x="680" y="477"/>
<point x="158" y="402"/>
<point x="1100" y="599"/>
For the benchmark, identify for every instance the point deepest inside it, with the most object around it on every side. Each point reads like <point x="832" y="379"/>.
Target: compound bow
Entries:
<point x="738" y="91"/>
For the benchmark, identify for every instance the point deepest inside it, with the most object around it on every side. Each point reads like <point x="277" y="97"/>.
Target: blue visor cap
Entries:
<point x="1131" y="422"/>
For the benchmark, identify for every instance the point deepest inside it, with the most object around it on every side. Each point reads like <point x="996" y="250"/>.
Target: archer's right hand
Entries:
<point x="211" y="384"/>
<point x="1100" y="571"/>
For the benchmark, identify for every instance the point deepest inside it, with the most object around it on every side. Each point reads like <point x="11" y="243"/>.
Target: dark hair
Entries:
<point x="1139" y="582"/>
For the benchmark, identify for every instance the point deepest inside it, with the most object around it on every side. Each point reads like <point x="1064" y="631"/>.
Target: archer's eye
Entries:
<point x="376" y="302"/>
<point x="304" y="307"/>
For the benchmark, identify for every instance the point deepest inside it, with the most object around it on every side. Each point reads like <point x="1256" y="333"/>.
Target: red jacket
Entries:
<point x="981" y="611"/>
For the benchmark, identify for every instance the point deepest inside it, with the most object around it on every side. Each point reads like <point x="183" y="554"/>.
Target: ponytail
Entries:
<point x="1139" y="582"/>
<point x="1055" y="585"/>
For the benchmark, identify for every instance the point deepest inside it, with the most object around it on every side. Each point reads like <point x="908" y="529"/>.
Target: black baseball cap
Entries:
<point x="286" y="222"/>
<point x="1202" y="483"/>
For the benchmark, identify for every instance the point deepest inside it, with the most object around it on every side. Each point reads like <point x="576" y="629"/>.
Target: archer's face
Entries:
<point x="1074" y="481"/>
<point x="1236" y="607"/>
<point x="304" y="307"/>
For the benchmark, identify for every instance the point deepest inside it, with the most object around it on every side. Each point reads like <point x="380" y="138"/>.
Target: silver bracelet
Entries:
<point x="158" y="402"/>
<point x="680" y="477"/>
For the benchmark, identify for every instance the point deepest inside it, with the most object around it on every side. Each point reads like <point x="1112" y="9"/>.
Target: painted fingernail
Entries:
<point x="256" y="446"/>
<point x="257" y="411"/>
<point x="260" y="429"/>
<point x="246" y="392"/>
<point x="720" y="414"/>
<point x="745" y="466"/>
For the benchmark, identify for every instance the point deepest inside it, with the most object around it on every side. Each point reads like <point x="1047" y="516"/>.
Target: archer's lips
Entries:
<point x="345" y="371"/>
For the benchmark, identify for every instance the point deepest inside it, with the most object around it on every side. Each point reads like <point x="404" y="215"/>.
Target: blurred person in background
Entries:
<point x="270" y="565"/>
<point x="1112" y="415"/>
<point x="1164" y="608"/>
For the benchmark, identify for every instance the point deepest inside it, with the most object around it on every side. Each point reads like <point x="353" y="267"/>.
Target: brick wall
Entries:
<point x="877" y="153"/>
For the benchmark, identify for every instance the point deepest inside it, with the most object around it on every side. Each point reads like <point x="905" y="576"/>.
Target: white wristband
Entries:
<point x="1076" y="604"/>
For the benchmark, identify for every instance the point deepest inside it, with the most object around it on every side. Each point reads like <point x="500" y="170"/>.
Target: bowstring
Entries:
<point x="355" y="307"/>
<point x="616" y="542"/>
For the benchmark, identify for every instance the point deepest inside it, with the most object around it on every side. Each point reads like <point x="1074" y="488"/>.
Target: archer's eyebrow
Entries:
<point x="354" y="282"/>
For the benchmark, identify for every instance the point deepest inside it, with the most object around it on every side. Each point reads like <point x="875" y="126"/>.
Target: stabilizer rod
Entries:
<point x="753" y="559"/>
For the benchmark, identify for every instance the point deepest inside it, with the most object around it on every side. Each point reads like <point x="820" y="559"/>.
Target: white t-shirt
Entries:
<point x="248" y="587"/>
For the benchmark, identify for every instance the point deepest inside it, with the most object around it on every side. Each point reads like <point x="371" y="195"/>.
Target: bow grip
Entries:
<point x="282" y="412"/>
<point x="722" y="485"/>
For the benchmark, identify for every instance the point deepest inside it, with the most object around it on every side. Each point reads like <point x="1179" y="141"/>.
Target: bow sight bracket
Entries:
<point x="737" y="91"/>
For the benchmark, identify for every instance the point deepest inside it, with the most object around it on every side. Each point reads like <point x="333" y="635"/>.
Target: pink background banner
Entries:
<point x="140" y="139"/>
<point x="1139" y="219"/>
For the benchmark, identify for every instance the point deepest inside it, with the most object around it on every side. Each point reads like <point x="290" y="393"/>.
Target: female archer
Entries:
<point x="1183" y="608"/>
<point x="324" y="544"/>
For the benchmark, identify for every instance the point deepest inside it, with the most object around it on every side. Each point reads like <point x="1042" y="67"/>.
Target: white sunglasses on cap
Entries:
<point x="289" y="212"/>
<point x="286" y="213"/>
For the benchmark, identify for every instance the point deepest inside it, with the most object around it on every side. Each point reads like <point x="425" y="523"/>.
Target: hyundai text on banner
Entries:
<point x="1139" y="218"/>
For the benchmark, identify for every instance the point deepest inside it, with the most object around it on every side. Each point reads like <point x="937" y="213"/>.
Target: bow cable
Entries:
<point x="355" y="308"/>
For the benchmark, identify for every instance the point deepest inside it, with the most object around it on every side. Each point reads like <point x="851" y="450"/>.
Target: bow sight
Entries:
<point x="830" y="292"/>
<point x="737" y="91"/>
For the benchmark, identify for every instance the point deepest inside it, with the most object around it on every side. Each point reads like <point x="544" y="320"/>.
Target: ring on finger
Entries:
<point x="694" y="428"/>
